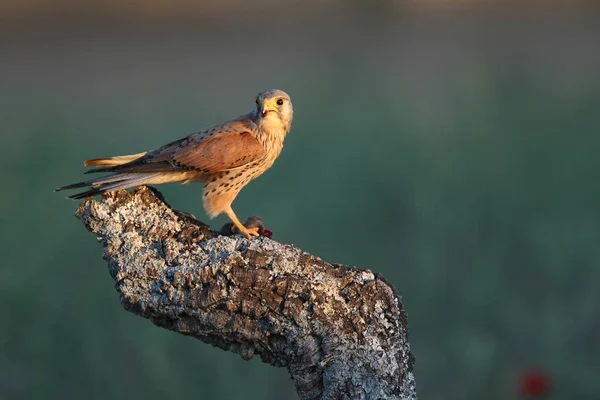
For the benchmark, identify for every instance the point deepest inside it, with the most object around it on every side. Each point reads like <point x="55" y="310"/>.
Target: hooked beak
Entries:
<point x="264" y="110"/>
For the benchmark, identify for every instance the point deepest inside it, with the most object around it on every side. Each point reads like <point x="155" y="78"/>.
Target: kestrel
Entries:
<point x="224" y="157"/>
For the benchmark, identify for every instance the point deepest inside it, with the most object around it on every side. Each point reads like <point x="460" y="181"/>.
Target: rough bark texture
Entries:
<point x="341" y="332"/>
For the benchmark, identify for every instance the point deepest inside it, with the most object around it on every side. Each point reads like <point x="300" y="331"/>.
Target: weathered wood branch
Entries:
<point x="341" y="332"/>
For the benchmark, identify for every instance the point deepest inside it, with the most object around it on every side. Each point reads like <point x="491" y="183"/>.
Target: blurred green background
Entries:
<point x="452" y="149"/>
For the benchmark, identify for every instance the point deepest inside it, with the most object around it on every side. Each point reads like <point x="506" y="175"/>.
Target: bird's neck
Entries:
<point x="271" y="133"/>
<point x="272" y="124"/>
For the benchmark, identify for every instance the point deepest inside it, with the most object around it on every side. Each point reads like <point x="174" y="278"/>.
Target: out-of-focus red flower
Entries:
<point x="268" y="233"/>
<point x="535" y="383"/>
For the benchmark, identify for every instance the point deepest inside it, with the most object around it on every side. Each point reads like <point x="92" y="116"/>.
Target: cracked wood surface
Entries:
<point x="341" y="332"/>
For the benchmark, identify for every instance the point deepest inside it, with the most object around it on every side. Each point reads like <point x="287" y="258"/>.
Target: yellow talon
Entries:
<point x="247" y="232"/>
<point x="239" y="227"/>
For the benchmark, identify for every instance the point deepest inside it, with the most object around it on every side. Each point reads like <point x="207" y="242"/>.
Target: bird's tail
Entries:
<point x="112" y="161"/>
<point x="111" y="182"/>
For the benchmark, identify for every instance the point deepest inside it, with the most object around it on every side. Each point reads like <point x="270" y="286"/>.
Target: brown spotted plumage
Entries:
<point x="224" y="157"/>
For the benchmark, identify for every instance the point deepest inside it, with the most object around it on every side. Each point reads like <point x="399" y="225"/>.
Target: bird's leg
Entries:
<point x="237" y="225"/>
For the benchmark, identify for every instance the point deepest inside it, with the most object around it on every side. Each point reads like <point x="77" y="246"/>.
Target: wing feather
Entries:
<point x="231" y="146"/>
<point x="212" y="150"/>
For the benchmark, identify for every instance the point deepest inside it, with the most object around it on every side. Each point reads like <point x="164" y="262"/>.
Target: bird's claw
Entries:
<point x="246" y="232"/>
<point x="254" y="226"/>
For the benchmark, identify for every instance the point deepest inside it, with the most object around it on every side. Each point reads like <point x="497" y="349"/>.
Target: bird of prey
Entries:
<point x="224" y="157"/>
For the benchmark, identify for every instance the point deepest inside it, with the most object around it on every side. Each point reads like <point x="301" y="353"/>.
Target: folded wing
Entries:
<point x="214" y="150"/>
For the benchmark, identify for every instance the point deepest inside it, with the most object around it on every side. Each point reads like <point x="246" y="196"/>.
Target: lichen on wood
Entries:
<point x="341" y="332"/>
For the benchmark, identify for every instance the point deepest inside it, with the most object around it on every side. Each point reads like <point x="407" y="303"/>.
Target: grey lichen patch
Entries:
<point x="341" y="332"/>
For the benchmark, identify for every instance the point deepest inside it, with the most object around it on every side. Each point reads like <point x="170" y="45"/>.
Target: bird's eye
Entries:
<point x="280" y="102"/>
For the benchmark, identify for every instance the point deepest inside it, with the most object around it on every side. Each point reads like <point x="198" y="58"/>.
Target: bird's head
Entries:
<point x="274" y="107"/>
